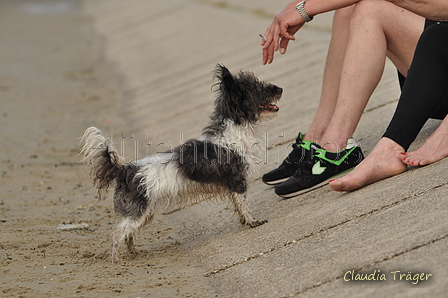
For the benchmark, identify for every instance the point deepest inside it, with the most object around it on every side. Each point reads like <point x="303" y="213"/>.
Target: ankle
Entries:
<point x="390" y="144"/>
<point x="333" y="146"/>
<point x="443" y="127"/>
<point x="312" y="137"/>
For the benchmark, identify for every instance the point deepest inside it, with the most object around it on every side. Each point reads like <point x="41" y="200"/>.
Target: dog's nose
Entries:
<point x="280" y="90"/>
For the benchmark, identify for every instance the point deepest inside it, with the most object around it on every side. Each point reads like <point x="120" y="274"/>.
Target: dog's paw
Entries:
<point x="133" y="251"/>
<point x="116" y="260"/>
<point x="256" y="223"/>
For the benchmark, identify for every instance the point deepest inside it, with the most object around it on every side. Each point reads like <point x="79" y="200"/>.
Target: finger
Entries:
<point x="265" y="57"/>
<point x="283" y="45"/>
<point x="272" y="35"/>
<point x="285" y="41"/>
<point x="268" y="55"/>
<point x="271" y="51"/>
<point x="266" y="43"/>
<point x="284" y="32"/>
<point x="270" y="38"/>
<point x="267" y="35"/>
<point x="263" y="39"/>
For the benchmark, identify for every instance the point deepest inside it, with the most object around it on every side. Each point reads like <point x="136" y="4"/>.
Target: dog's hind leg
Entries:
<point x="130" y="239"/>
<point x="243" y="209"/>
<point x="130" y="243"/>
<point x="125" y="234"/>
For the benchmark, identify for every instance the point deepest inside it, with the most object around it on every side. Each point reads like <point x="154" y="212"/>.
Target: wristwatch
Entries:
<point x="301" y="8"/>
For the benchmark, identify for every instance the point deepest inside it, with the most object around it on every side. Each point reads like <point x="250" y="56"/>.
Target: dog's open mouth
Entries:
<point x="270" y="107"/>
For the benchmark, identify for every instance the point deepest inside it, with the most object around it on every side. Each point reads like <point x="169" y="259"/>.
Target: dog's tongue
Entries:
<point x="275" y="107"/>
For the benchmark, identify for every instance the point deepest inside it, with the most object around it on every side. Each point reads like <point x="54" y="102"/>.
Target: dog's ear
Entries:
<point x="227" y="79"/>
<point x="220" y="70"/>
<point x="230" y="96"/>
<point x="228" y="83"/>
<point x="224" y="76"/>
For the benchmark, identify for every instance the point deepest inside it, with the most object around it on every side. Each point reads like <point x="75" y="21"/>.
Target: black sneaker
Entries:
<point x="319" y="167"/>
<point x="289" y="165"/>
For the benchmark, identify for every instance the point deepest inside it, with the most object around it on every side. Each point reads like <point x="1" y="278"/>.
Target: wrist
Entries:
<point x="301" y="9"/>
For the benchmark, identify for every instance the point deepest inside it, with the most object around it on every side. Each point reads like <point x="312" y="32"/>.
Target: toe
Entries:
<point x="336" y="185"/>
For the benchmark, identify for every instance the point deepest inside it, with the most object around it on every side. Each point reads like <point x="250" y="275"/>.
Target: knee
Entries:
<point x="369" y="11"/>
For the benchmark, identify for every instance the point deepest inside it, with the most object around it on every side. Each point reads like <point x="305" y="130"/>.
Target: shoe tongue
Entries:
<point x="351" y="143"/>
<point x="315" y="146"/>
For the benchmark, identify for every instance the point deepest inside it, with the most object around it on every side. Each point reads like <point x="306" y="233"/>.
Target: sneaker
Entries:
<point x="320" y="166"/>
<point x="289" y="164"/>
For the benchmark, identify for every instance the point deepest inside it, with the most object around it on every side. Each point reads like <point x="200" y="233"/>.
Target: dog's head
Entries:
<point x="243" y="98"/>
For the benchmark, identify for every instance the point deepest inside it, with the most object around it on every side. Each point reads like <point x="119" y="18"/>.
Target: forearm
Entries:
<point x="315" y="7"/>
<point x="289" y="21"/>
<point x="436" y="10"/>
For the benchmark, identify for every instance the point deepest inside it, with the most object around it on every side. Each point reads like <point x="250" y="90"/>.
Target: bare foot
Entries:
<point x="434" y="149"/>
<point x="381" y="163"/>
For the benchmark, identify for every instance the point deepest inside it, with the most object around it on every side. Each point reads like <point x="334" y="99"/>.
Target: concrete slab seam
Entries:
<point x="278" y="247"/>
<point x="224" y="5"/>
<point x="258" y="12"/>
<point x="393" y="101"/>
<point x="387" y="258"/>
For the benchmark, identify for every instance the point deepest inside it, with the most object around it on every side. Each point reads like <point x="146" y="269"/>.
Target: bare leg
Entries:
<point x="434" y="149"/>
<point x="332" y="74"/>
<point x="377" y="29"/>
<point x="383" y="162"/>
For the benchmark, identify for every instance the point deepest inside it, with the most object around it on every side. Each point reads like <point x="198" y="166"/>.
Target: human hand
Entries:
<point x="280" y="32"/>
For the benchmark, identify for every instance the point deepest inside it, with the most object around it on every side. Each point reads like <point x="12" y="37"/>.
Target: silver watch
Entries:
<point x="301" y="8"/>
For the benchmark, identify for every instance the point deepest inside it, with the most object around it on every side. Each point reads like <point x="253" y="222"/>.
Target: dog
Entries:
<point x="213" y="167"/>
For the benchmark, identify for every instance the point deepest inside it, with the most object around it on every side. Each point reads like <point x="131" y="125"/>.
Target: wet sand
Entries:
<point x="54" y="83"/>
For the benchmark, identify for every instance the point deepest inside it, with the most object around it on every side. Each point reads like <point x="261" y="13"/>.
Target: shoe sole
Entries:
<point x="275" y="182"/>
<point x="294" y="194"/>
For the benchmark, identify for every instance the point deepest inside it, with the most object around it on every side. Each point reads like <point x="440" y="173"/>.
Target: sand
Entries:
<point x="54" y="83"/>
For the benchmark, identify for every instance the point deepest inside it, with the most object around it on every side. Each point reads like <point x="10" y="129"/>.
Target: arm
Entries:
<point x="436" y="10"/>
<point x="289" y="21"/>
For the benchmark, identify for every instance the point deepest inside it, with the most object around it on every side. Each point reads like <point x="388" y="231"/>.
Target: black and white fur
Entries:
<point x="215" y="166"/>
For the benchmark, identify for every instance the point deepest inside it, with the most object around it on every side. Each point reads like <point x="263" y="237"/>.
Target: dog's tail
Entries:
<point x="101" y="153"/>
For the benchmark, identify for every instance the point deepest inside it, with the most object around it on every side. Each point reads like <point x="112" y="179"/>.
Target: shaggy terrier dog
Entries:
<point x="215" y="166"/>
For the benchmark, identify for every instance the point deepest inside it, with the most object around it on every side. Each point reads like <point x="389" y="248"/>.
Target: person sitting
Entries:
<point x="424" y="96"/>
<point x="354" y="66"/>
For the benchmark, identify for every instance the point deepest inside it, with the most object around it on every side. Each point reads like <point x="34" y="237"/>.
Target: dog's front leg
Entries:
<point x="242" y="207"/>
